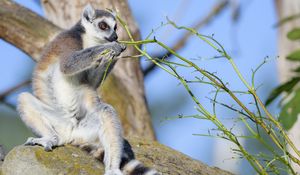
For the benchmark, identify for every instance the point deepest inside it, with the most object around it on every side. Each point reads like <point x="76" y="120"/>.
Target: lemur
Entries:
<point x="65" y="107"/>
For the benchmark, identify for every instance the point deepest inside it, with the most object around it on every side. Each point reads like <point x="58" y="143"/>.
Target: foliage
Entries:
<point x="289" y="90"/>
<point x="259" y="123"/>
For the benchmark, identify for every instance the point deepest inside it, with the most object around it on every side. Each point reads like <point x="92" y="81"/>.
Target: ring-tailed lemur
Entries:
<point x="65" y="107"/>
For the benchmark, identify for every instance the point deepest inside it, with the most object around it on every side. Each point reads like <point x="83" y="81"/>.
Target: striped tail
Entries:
<point x="131" y="166"/>
<point x="135" y="167"/>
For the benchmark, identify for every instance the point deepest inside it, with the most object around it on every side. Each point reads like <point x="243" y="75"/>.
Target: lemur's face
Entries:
<point x="100" y="24"/>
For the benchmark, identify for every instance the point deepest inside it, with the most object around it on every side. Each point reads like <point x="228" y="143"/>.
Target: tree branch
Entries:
<point x="25" y="29"/>
<point x="5" y="94"/>
<point x="72" y="160"/>
<point x="13" y="89"/>
<point x="216" y="10"/>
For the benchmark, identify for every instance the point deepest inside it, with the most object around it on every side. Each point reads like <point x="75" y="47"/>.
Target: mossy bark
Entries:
<point x="33" y="160"/>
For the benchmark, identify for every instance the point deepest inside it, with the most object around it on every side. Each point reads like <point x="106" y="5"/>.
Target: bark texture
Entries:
<point x="124" y="88"/>
<point x="25" y="29"/>
<point x="286" y="8"/>
<point x="71" y="160"/>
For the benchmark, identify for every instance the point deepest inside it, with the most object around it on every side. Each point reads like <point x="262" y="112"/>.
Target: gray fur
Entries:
<point x="82" y="60"/>
<point x="90" y="13"/>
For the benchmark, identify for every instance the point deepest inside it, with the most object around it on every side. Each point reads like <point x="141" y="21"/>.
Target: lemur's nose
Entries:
<point x="113" y="37"/>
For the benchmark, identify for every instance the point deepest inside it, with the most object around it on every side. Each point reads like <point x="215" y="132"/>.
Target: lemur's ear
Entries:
<point x="88" y="12"/>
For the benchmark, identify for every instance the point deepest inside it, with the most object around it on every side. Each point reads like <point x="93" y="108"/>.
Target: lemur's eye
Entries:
<point x="115" y="28"/>
<point x="103" y="26"/>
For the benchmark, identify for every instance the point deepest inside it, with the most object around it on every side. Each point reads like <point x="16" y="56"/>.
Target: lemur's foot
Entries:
<point x="48" y="144"/>
<point x="98" y="153"/>
<point x="113" y="172"/>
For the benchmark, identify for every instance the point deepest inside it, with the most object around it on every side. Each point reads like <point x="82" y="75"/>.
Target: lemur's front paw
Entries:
<point x="113" y="172"/>
<point x="123" y="47"/>
<point x="118" y="48"/>
<point x="46" y="143"/>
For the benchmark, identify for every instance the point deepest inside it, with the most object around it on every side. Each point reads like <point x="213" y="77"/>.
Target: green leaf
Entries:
<point x="297" y="70"/>
<point x="287" y="19"/>
<point x="286" y="87"/>
<point x="294" y="34"/>
<point x="289" y="113"/>
<point x="294" y="56"/>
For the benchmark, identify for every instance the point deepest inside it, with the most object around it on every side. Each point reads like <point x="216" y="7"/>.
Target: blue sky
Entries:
<point x="248" y="41"/>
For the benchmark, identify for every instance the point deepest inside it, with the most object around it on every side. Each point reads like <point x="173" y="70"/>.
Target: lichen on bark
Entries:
<point x="33" y="160"/>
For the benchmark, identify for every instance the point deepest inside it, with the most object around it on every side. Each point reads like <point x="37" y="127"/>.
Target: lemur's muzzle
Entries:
<point x="112" y="37"/>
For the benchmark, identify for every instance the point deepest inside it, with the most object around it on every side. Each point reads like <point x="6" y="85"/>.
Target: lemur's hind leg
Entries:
<point x="110" y="135"/>
<point x="41" y="118"/>
<point x="102" y="124"/>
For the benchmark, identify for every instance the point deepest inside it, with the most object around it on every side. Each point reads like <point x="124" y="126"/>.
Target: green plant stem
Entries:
<point x="220" y="85"/>
<point x="251" y="90"/>
<point x="255" y="164"/>
<point x="204" y="73"/>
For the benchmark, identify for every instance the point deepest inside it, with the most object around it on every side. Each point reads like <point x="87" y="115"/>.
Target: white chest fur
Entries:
<point x="67" y="95"/>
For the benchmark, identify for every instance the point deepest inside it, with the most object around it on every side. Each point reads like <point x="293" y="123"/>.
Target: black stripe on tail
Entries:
<point x="135" y="167"/>
<point x="131" y="166"/>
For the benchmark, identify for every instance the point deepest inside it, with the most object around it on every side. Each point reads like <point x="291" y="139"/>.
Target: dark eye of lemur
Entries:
<point x="103" y="26"/>
<point x="115" y="28"/>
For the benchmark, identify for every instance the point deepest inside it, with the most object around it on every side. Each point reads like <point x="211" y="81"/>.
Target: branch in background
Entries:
<point x="10" y="91"/>
<point x="25" y="29"/>
<point x="13" y="89"/>
<point x="235" y="10"/>
<point x="216" y="10"/>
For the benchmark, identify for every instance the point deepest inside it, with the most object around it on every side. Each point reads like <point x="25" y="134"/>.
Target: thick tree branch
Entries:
<point x="25" y="29"/>
<point x="215" y="11"/>
<point x="71" y="160"/>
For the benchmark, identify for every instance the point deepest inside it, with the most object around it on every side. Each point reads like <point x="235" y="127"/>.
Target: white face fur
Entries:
<point x="100" y="26"/>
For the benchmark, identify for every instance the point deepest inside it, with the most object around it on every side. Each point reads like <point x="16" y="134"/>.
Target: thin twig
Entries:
<point x="10" y="91"/>
<point x="216" y="10"/>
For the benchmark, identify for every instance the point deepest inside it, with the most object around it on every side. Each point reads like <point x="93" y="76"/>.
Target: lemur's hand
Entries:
<point x="117" y="48"/>
<point x="108" y="51"/>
